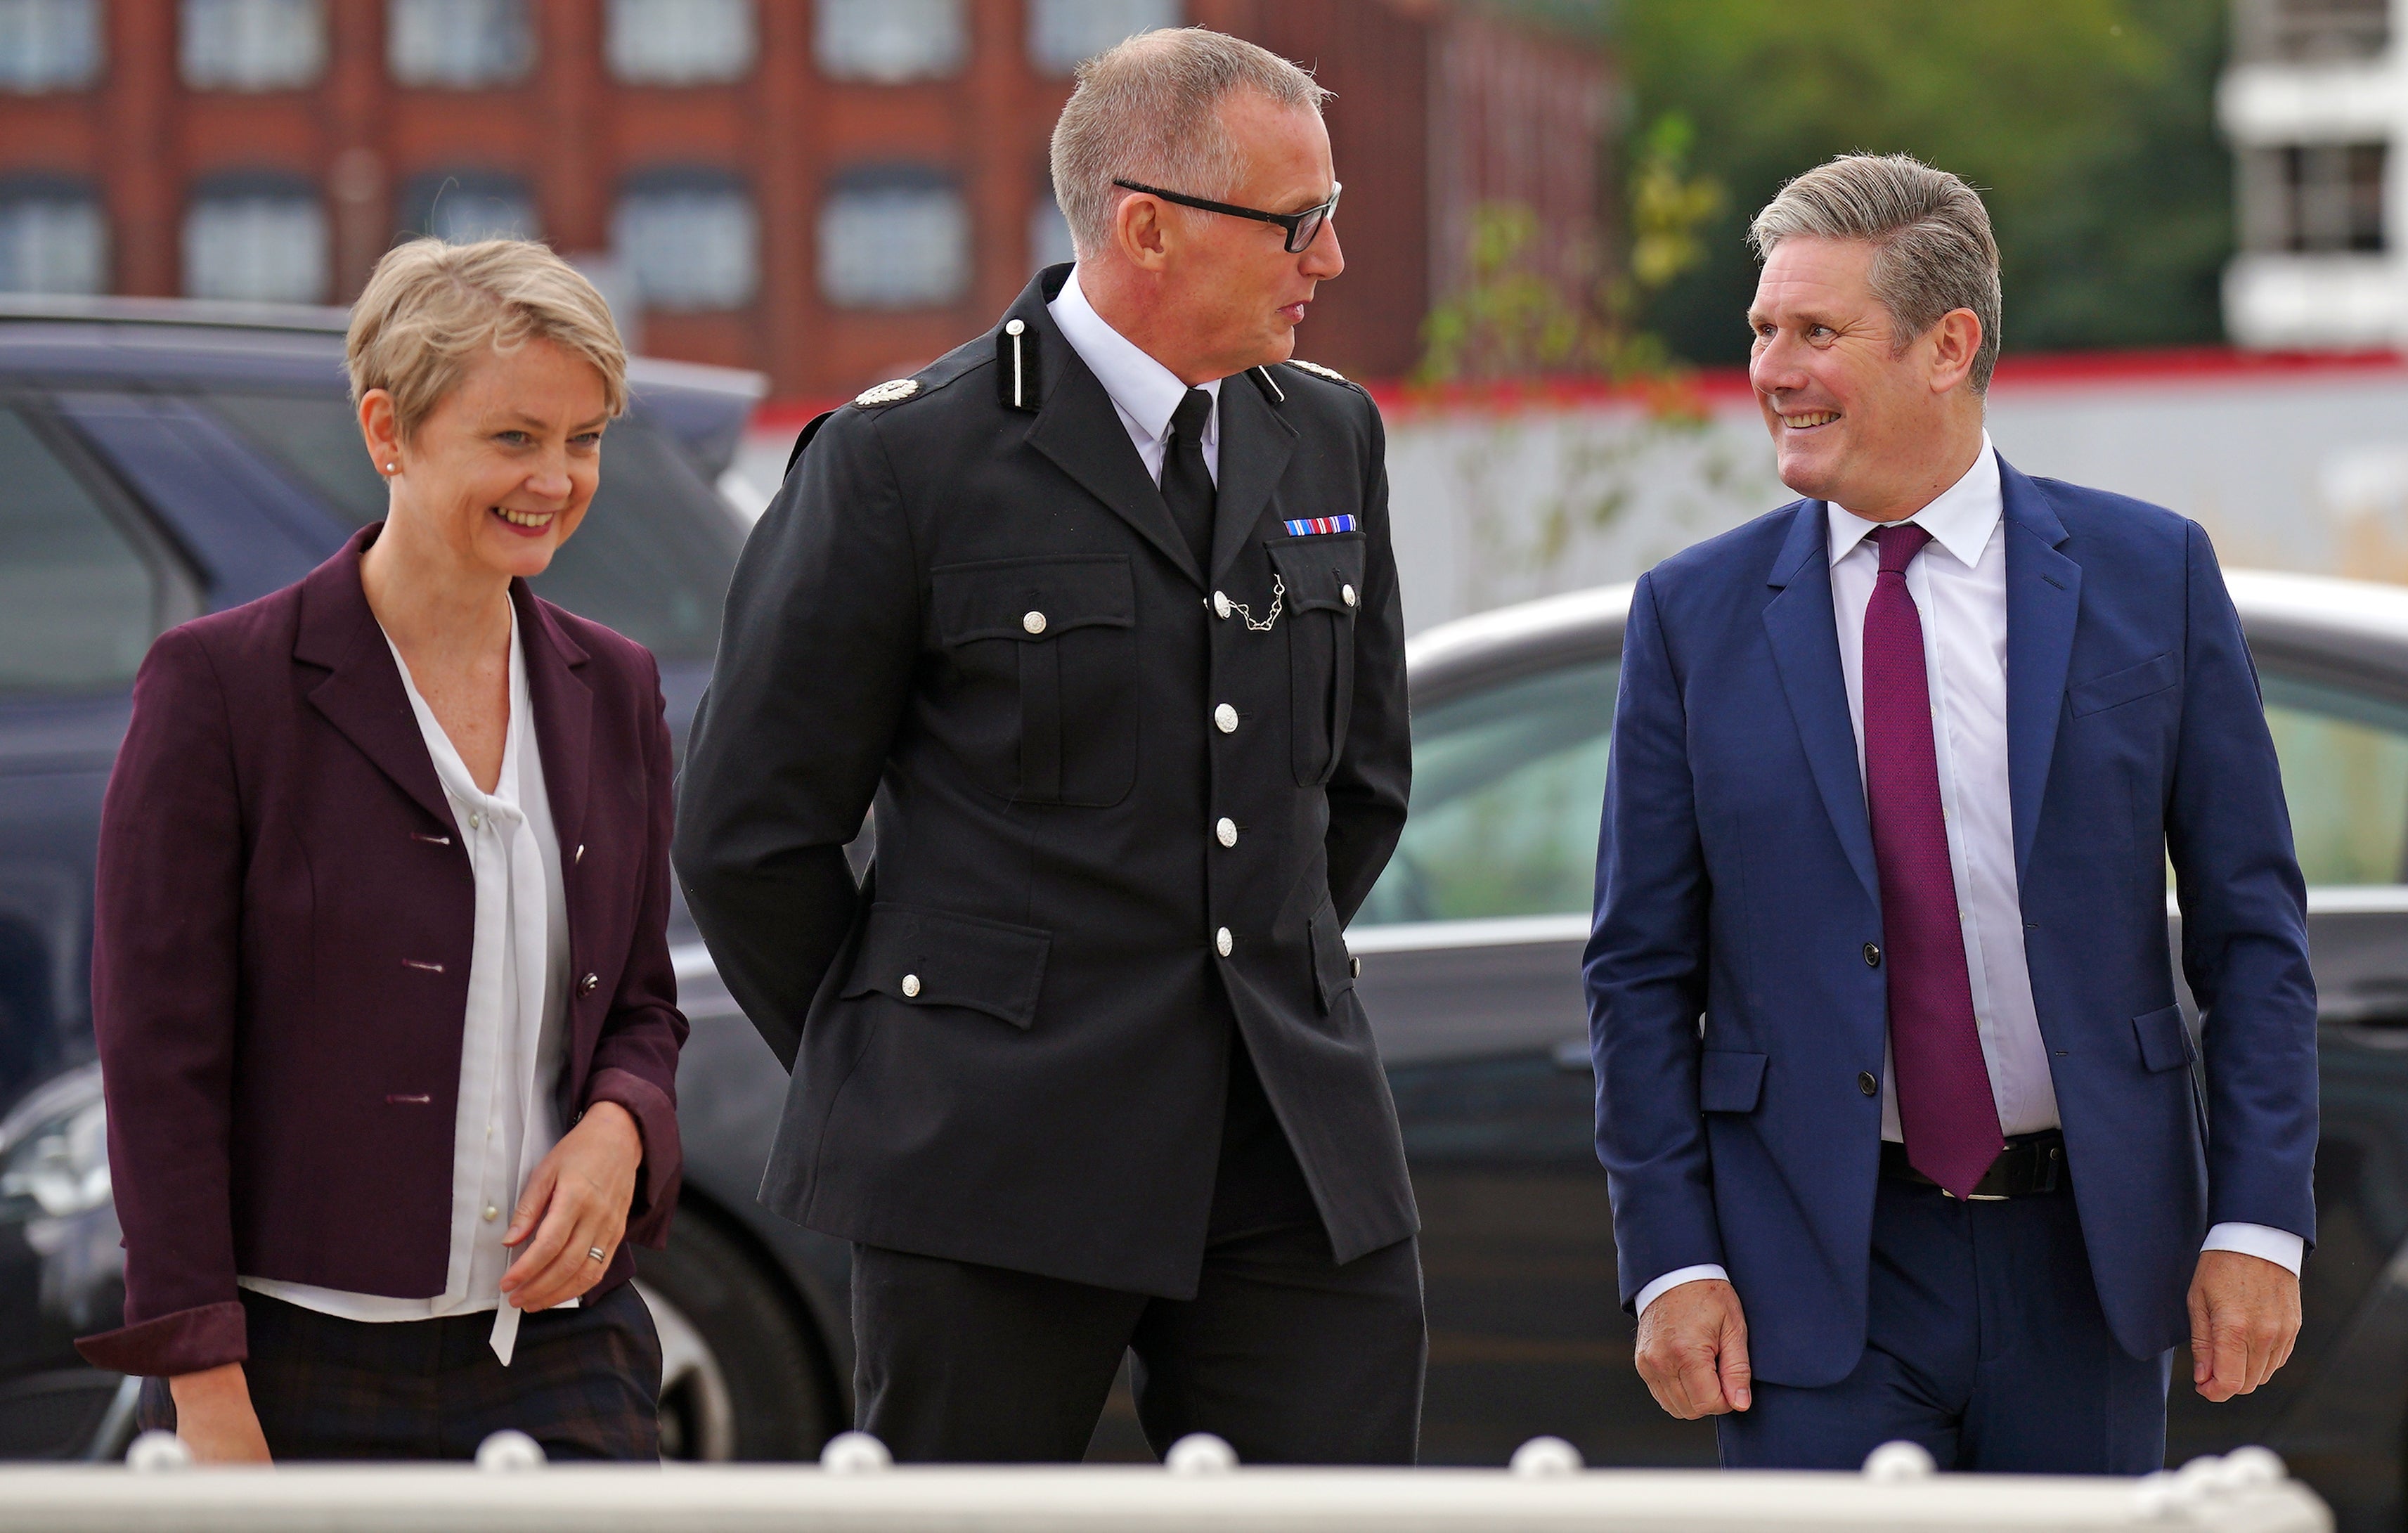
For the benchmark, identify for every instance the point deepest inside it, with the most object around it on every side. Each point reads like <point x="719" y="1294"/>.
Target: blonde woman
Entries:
<point x="380" y="977"/>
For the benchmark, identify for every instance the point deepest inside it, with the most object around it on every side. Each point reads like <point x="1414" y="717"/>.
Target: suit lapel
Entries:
<point x="362" y="695"/>
<point x="1255" y="446"/>
<point x="563" y="723"/>
<point x="2043" y="603"/>
<point x="1078" y="428"/>
<point x="1806" y="651"/>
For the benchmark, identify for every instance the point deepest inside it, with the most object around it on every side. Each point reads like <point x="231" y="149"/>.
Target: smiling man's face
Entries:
<point x="1856" y="420"/>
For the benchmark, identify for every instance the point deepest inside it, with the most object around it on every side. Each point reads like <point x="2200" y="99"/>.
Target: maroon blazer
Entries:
<point x="280" y="955"/>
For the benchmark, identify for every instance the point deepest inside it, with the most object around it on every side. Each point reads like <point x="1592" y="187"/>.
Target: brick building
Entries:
<point x="830" y="191"/>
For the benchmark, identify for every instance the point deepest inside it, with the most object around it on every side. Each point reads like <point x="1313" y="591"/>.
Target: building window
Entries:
<point x="691" y="238"/>
<point x="886" y="41"/>
<point x="465" y="205"/>
<point x="459" y="44"/>
<point x="1061" y="33"/>
<point x="260" y="238"/>
<point x="2311" y="31"/>
<point x="680" y="42"/>
<point x="1049" y="235"/>
<point x="53" y="239"/>
<point x="2314" y="198"/>
<point x="253" y="45"/>
<point x="894" y="237"/>
<point x="49" y="45"/>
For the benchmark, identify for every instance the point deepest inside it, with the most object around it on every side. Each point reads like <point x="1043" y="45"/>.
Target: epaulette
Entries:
<point x="893" y="392"/>
<point x="1330" y="373"/>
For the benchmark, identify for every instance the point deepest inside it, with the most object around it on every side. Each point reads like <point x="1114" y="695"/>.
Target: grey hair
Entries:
<point x="1147" y="111"/>
<point x="1934" y="251"/>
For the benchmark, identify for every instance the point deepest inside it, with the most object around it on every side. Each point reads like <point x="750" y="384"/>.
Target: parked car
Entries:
<point x="164" y="460"/>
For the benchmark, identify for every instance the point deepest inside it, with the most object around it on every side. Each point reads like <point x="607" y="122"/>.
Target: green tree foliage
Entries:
<point x="2088" y="125"/>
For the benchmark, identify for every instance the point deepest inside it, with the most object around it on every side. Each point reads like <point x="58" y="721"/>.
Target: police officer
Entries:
<point x="1099" y="613"/>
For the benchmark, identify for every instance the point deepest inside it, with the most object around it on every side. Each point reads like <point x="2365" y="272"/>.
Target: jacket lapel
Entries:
<point x="362" y="695"/>
<point x="1078" y="428"/>
<point x="1255" y="446"/>
<point x="564" y="724"/>
<point x="1806" y="651"/>
<point x="2043" y="603"/>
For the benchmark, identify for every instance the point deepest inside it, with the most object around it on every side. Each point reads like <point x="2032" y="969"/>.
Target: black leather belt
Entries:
<point x="2030" y="1165"/>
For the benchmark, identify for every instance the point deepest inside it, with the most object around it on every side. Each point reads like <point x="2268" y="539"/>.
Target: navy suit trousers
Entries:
<point x="1985" y="1343"/>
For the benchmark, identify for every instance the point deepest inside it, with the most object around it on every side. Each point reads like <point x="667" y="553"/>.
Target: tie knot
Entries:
<point x="1899" y="544"/>
<point x="1187" y="420"/>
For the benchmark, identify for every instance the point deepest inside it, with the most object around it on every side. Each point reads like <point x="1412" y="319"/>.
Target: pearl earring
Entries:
<point x="393" y="468"/>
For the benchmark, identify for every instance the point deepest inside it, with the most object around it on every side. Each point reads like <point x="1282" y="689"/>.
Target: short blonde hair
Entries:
<point x="430" y="309"/>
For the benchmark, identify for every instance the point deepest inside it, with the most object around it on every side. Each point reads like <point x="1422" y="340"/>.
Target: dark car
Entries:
<point x="165" y="461"/>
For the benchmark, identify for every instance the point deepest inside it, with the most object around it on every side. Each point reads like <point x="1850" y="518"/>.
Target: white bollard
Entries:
<point x="508" y="1451"/>
<point x="155" y="1452"/>
<point x="856" y="1452"/>
<point x="1546" y="1458"/>
<point x="1200" y="1453"/>
<point x="2247" y="1469"/>
<point x="1900" y="1463"/>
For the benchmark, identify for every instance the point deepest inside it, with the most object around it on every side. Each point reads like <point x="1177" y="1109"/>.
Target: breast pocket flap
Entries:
<point x="2130" y="684"/>
<point x="1729" y="1081"/>
<point x="1032" y="600"/>
<point x="932" y="958"/>
<point x="2165" y="1040"/>
<point x="1320" y="571"/>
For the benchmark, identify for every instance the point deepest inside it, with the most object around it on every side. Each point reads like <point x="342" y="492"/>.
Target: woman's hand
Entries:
<point x="576" y="1203"/>
<point x="214" y="1416"/>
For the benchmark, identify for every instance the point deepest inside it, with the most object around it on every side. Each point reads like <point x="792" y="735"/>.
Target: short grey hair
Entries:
<point x="1147" y="110"/>
<point x="1934" y="251"/>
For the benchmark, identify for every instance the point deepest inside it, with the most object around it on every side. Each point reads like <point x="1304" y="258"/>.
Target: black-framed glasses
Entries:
<point x="1302" y="228"/>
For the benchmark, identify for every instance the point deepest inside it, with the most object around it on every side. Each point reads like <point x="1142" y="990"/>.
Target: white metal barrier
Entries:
<point x="1201" y="1489"/>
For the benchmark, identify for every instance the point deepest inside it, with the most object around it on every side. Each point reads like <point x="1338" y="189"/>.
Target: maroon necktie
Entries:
<point x="1943" y="1086"/>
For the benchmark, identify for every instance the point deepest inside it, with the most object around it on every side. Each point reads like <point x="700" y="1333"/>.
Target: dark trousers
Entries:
<point x="584" y="1382"/>
<point x="1986" y="1344"/>
<point x="1288" y="1356"/>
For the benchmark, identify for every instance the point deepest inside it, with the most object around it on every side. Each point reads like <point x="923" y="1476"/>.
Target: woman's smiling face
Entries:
<point x="502" y="469"/>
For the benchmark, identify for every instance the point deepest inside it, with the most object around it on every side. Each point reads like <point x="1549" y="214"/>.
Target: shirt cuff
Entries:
<point x="1678" y="1276"/>
<point x="2279" y="1246"/>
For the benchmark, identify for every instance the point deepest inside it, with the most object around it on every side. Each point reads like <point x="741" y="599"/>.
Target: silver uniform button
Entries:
<point x="1346" y="594"/>
<point x="1034" y="623"/>
<point x="1227" y="830"/>
<point x="1226" y="719"/>
<point x="910" y="984"/>
<point x="1220" y="604"/>
<point x="1223" y="941"/>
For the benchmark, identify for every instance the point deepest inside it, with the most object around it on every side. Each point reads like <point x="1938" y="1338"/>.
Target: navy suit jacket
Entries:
<point x="1731" y="1003"/>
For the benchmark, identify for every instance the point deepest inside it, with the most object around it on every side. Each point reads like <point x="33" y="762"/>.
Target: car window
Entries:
<point x="1507" y="783"/>
<point x="78" y="603"/>
<point x="2344" y="755"/>
<point x="651" y="559"/>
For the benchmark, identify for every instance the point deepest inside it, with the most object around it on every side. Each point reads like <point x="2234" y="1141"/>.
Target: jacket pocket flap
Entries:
<point x="931" y="958"/>
<point x="2116" y="688"/>
<point x="1323" y="570"/>
<point x="1729" y="1081"/>
<point x="1032" y="599"/>
<point x="2165" y="1040"/>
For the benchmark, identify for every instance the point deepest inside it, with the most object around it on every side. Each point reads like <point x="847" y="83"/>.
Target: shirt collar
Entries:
<point x="1146" y="392"/>
<point x="1960" y="520"/>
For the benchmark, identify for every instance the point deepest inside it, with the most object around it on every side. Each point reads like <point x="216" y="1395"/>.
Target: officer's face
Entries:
<point x="1238" y="293"/>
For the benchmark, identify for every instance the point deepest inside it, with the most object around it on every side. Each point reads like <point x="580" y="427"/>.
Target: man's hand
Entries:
<point x="214" y="1416"/>
<point x="576" y="1203"/>
<point x="1693" y="1350"/>
<point x="2244" y="1314"/>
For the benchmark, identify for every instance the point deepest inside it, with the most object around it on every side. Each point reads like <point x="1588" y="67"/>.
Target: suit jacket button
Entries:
<point x="587" y="985"/>
<point x="1225" y="719"/>
<point x="1220" y="604"/>
<point x="1225" y="832"/>
<point x="911" y="986"/>
<point x="1034" y="623"/>
<point x="1346" y="594"/>
<point x="1866" y="1083"/>
<point x="1223" y="941"/>
<point x="1872" y="955"/>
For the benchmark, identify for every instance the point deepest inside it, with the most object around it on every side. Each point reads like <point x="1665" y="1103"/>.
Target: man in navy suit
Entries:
<point x="1901" y="1115"/>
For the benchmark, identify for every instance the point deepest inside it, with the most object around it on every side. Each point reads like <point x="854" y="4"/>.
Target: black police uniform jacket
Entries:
<point x="979" y="615"/>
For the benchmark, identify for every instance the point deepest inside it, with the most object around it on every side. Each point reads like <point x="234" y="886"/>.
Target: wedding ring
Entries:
<point x="593" y="1253"/>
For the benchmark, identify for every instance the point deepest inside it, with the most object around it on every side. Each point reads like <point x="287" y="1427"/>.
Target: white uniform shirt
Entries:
<point x="512" y="1047"/>
<point x="1145" y="393"/>
<point x="1959" y="585"/>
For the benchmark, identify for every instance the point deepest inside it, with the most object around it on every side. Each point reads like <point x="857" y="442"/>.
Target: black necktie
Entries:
<point x="1185" y="484"/>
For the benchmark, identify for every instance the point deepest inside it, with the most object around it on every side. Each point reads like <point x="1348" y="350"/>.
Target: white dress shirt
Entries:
<point x="1145" y="393"/>
<point x="1960" y="586"/>
<point x="512" y="1046"/>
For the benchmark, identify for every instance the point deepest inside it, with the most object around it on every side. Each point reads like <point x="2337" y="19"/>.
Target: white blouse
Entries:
<point x="512" y="1047"/>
